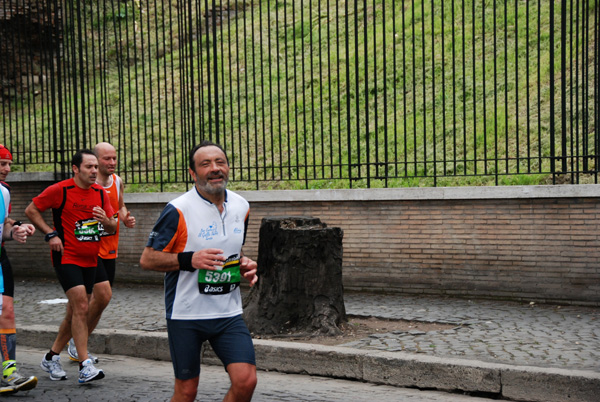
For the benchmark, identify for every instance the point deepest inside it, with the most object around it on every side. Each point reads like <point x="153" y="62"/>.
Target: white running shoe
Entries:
<point x="54" y="368"/>
<point x="72" y="351"/>
<point x="89" y="373"/>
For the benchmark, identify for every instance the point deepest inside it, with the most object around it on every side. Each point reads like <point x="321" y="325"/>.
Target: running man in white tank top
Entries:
<point x="197" y="241"/>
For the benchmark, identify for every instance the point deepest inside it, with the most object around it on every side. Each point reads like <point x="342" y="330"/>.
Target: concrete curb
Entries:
<point x="522" y="383"/>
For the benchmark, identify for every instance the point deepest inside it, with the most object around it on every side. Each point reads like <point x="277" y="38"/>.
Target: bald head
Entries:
<point x="103" y="147"/>
<point x="107" y="159"/>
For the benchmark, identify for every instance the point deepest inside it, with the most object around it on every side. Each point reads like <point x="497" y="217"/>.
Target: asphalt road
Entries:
<point x="134" y="379"/>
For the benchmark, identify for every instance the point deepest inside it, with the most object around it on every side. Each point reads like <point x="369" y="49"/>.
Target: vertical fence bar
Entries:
<point x="395" y="92"/>
<point x="246" y="72"/>
<point x="365" y="68"/>
<point x="255" y="119"/>
<point x="473" y="54"/>
<point x="54" y="77"/>
<point x="464" y="88"/>
<point x="454" y="122"/>
<point x="366" y="107"/>
<point x="424" y="68"/>
<point x="385" y="99"/>
<point x="444" y="134"/>
<point x="357" y="85"/>
<point x="90" y="86"/>
<point x="527" y="95"/>
<point x="122" y="148"/>
<point x="278" y="97"/>
<point x="495" y="67"/>
<point x="433" y="93"/>
<point x="414" y="89"/>
<point x="215" y="69"/>
<point x="339" y="92"/>
<point x="539" y="90"/>
<point x="404" y="110"/>
<point x="287" y="94"/>
<point x="375" y="95"/>
<point x="506" y="132"/>
<point x="563" y="83"/>
<point x="303" y="73"/>
<point x="209" y="67"/>
<point x="240" y="84"/>
<point x="64" y="108"/>
<point x="330" y="91"/>
<point x="81" y="129"/>
<point x="262" y="96"/>
<point x="483" y="58"/>
<point x="180" y="143"/>
<point x="576" y="155"/>
<point x="585" y="82"/>
<point x="552" y="94"/>
<point x="592" y="155"/>
<point x="312" y="92"/>
<point x="517" y="131"/>
<point x="348" y="92"/>
<point x="570" y="101"/>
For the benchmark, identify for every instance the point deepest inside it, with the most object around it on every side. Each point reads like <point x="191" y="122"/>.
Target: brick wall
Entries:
<point x="521" y="243"/>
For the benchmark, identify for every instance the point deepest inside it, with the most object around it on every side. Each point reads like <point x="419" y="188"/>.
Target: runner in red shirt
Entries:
<point x="81" y="210"/>
<point x="109" y="244"/>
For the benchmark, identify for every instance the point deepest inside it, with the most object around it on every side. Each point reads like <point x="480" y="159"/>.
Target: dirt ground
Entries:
<point x="360" y="327"/>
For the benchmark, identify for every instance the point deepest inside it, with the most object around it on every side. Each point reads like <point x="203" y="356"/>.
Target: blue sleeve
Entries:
<point x="164" y="229"/>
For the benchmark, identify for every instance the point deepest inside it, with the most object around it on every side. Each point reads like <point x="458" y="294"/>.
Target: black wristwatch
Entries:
<point x="50" y="235"/>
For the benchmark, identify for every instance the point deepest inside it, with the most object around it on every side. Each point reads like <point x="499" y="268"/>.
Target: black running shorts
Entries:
<point x="71" y="275"/>
<point x="106" y="270"/>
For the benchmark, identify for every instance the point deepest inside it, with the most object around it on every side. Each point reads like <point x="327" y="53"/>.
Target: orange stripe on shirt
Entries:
<point x="179" y="240"/>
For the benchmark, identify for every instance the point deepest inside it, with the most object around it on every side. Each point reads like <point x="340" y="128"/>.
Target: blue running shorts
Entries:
<point x="229" y="338"/>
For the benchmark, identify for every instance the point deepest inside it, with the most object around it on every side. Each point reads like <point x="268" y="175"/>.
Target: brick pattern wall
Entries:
<point x="543" y="250"/>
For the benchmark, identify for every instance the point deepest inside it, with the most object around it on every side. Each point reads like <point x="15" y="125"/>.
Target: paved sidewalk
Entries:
<point x="491" y="332"/>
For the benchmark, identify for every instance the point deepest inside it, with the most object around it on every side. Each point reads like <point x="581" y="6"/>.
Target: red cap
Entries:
<point x="5" y="153"/>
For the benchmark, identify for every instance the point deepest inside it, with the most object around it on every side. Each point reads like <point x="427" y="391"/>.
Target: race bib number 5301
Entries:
<point x="220" y="282"/>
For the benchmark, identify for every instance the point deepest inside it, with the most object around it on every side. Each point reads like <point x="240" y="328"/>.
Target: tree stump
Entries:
<point x="300" y="289"/>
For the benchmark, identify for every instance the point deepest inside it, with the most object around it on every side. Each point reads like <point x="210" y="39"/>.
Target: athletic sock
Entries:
<point x="51" y="354"/>
<point x="8" y="343"/>
<point x="8" y="346"/>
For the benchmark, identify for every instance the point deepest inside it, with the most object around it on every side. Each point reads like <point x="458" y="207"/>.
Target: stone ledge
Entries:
<point x="397" y="194"/>
<point x="373" y="194"/>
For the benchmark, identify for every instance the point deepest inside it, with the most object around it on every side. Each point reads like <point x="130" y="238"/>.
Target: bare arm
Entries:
<point x="7" y="232"/>
<point x="154" y="260"/>
<point x="124" y="214"/>
<point x="35" y="216"/>
<point x="18" y="232"/>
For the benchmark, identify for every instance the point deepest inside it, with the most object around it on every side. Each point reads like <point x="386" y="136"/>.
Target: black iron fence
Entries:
<point x="307" y="93"/>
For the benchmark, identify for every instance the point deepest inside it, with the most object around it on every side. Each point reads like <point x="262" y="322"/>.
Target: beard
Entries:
<point x="213" y="189"/>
